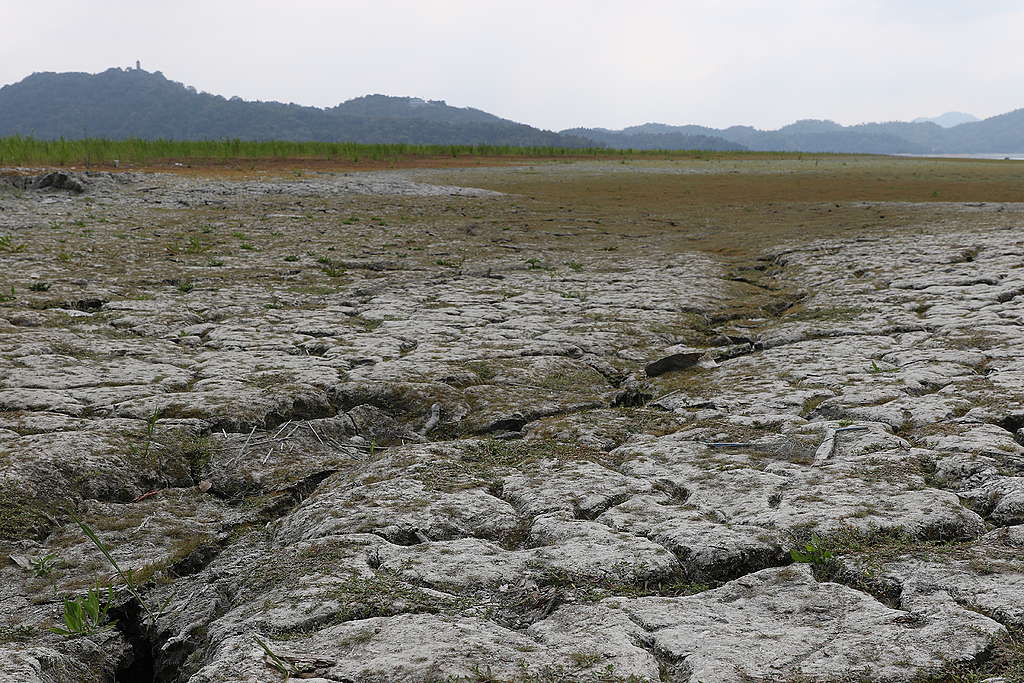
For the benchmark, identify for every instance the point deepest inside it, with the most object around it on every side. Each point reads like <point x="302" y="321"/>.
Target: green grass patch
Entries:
<point x="20" y="150"/>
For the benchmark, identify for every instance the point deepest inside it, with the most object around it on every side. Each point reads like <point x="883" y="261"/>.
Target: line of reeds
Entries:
<point x="28" y="151"/>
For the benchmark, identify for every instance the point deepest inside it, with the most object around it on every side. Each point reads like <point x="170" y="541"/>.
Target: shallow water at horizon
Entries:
<point x="1014" y="156"/>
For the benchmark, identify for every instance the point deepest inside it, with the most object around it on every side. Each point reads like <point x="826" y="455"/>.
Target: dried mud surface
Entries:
<point x="661" y="421"/>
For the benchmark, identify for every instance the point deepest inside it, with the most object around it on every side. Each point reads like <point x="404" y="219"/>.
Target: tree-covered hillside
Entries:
<point x="131" y="103"/>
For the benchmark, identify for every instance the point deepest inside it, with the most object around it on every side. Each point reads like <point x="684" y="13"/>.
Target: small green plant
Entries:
<point x="330" y="267"/>
<point x="814" y="552"/>
<point x="87" y="615"/>
<point x="128" y="576"/>
<point x="876" y="369"/>
<point x="575" y="266"/>
<point x="215" y="263"/>
<point x="8" y="244"/>
<point x="150" y="434"/>
<point x="291" y="258"/>
<point x="185" y="286"/>
<point x="44" y="565"/>
<point x="196" y="245"/>
<point x="585" y="660"/>
<point x="39" y="286"/>
<point x="535" y="264"/>
<point x="4" y="297"/>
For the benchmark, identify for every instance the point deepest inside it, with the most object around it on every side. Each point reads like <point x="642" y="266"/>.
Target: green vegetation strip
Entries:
<point x="26" y="151"/>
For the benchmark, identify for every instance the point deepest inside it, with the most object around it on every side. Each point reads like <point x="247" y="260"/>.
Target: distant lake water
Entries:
<point x="1014" y="156"/>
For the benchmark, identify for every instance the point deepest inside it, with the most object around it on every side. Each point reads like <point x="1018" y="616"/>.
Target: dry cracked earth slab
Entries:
<point x="376" y="427"/>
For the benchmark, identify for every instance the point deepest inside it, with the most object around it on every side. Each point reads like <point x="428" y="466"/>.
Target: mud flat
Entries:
<point x="663" y="421"/>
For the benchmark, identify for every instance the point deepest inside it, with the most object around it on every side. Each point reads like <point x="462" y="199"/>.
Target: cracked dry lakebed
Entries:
<point x="750" y="419"/>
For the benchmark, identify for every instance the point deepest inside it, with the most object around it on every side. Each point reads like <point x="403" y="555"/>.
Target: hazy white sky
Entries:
<point x="556" y="63"/>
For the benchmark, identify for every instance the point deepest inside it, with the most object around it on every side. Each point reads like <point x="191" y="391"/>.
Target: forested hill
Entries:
<point x="1003" y="134"/>
<point x="132" y="103"/>
<point x="128" y="103"/>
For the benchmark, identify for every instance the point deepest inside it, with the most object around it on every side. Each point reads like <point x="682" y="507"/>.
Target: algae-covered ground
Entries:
<point x="692" y="419"/>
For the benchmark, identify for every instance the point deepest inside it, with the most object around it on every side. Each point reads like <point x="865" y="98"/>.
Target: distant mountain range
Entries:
<point x="949" y="119"/>
<point x="1001" y="134"/>
<point x="123" y="103"/>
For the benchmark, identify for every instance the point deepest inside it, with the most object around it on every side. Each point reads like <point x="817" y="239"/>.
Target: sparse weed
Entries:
<point x="7" y="244"/>
<point x="44" y="565"/>
<point x="196" y="245"/>
<point x="813" y="552"/>
<point x="86" y="615"/>
<point x="127" y="575"/>
<point x="150" y="433"/>
<point x="282" y="667"/>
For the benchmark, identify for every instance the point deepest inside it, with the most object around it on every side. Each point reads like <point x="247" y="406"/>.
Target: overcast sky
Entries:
<point x="556" y="63"/>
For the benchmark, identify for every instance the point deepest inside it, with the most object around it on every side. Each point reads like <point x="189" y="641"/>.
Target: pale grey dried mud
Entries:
<point x="371" y="423"/>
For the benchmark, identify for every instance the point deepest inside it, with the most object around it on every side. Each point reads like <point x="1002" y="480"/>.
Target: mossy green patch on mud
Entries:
<point x="21" y="515"/>
<point x="485" y="463"/>
<point x="385" y="594"/>
<point x="18" y="634"/>
<point x="589" y="589"/>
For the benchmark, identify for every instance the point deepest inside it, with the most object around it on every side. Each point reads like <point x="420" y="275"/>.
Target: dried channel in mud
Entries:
<point x="556" y="422"/>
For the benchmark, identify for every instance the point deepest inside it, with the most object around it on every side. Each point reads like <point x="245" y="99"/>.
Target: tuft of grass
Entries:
<point x="8" y="245"/>
<point x="127" y="576"/>
<point x="273" y="659"/>
<point x="196" y="245"/>
<point x="368" y="324"/>
<point x="150" y="432"/>
<point x="21" y="516"/>
<point x="330" y="267"/>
